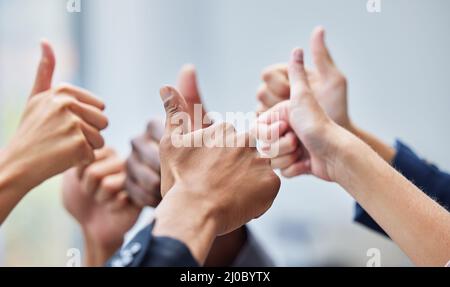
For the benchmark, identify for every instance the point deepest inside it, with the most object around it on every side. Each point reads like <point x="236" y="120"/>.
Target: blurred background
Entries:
<point x="396" y="62"/>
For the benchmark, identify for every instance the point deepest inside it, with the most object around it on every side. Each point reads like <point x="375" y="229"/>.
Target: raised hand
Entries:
<point x="329" y="86"/>
<point x="95" y="196"/>
<point x="309" y="122"/>
<point x="225" y="186"/>
<point x="144" y="174"/>
<point x="60" y="128"/>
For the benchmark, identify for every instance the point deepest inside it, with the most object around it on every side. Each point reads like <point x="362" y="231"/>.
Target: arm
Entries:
<point x="414" y="221"/>
<point x="66" y="115"/>
<point x="143" y="182"/>
<point x="95" y="197"/>
<point x="419" y="225"/>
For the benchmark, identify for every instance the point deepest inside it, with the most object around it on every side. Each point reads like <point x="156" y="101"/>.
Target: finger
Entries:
<point x="277" y="68"/>
<point x="147" y="152"/>
<point x="110" y="186"/>
<point x="177" y="118"/>
<point x="145" y="177"/>
<point x="286" y="145"/>
<point x="285" y="161"/>
<point x="104" y="153"/>
<point x="297" y="76"/>
<point x="139" y="196"/>
<point x="261" y="109"/>
<point x="320" y="54"/>
<point x="270" y="133"/>
<point x="279" y="112"/>
<point x="188" y="87"/>
<point x="120" y="201"/>
<point x="266" y="97"/>
<point x="91" y="115"/>
<point x="81" y="95"/>
<point x="99" y="154"/>
<point x="298" y="168"/>
<point x="43" y="81"/>
<point x="155" y="130"/>
<point x="278" y="83"/>
<point x="92" y="135"/>
<point x="95" y="173"/>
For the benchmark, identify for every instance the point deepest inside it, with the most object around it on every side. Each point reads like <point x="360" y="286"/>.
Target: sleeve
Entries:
<point x="252" y="254"/>
<point x="426" y="176"/>
<point x="146" y="250"/>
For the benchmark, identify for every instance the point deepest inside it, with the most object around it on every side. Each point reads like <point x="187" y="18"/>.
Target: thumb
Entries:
<point x="187" y="84"/>
<point x="298" y="79"/>
<point x="320" y="54"/>
<point x="43" y="81"/>
<point x="188" y="87"/>
<point x="304" y="109"/>
<point x="177" y="118"/>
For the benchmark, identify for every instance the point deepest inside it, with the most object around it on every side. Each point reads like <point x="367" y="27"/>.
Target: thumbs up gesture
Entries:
<point x="320" y="138"/>
<point x="60" y="128"/>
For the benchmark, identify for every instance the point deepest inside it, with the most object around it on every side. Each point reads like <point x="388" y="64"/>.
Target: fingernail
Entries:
<point x="165" y="92"/>
<point x="297" y="55"/>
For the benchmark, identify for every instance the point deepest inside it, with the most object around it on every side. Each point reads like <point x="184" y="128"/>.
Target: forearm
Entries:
<point x="12" y="187"/>
<point x="176" y="217"/>
<point x="414" y="221"/>
<point x="384" y="150"/>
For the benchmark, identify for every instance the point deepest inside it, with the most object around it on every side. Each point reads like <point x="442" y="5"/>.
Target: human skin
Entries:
<point x="330" y="89"/>
<point x="419" y="225"/>
<point x="231" y="186"/>
<point x="143" y="169"/>
<point x="60" y="128"/>
<point x="95" y="196"/>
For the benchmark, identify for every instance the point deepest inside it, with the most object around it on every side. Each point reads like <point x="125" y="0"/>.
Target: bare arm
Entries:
<point x="419" y="225"/>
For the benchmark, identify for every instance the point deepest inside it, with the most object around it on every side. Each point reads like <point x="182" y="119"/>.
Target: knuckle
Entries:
<point x="107" y="185"/>
<point x="153" y="124"/>
<point x="92" y="174"/>
<point x="340" y="79"/>
<point x="261" y="95"/>
<point x="266" y="74"/>
<point x="63" y="88"/>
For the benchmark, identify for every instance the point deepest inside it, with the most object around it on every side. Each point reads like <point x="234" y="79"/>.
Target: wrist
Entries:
<point x="17" y="172"/>
<point x="12" y="174"/>
<point x="96" y="252"/>
<point x="352" y="155"/>
<point x="183" y="216"/>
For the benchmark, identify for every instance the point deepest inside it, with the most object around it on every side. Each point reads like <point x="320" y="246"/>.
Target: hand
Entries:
<point x="59" y="129"/>
<point x="144" y="173"/>
<point x="326" y="81"/>
<point x="96" y="198"/>
<point x="333" y="153"/>
<point x="227" y="187"/>
<point x="307" y="119"/>
<point x="329" y="86"/>
<point x="143" y="167"/>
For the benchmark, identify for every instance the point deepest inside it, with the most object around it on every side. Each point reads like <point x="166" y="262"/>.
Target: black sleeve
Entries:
<point x="146" y="250"/>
